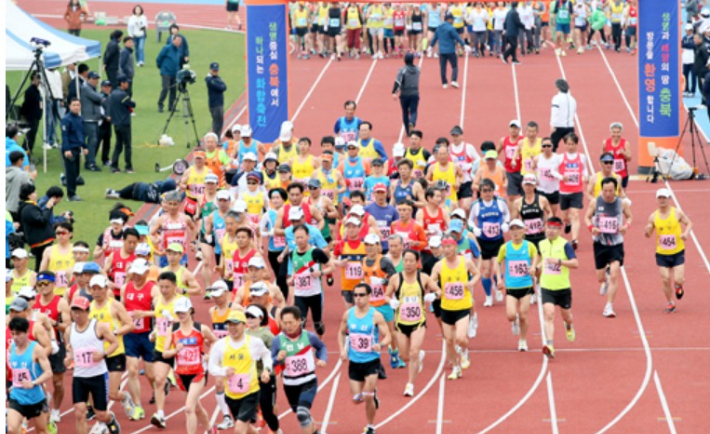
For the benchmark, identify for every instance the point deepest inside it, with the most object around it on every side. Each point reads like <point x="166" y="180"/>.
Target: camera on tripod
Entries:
<point x="39" y="43"/>
<point x="184" y="77"/>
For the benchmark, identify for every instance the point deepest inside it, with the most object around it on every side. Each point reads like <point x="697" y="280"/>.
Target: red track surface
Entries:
<point x="607" y="371"/>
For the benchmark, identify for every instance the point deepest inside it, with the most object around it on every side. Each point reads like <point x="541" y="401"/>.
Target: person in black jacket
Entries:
<point x="73" y="143"/>
<point x="120" y="107"/>
<point x="184" y="48"/>
<point x="91" y="115"/>
<point x="105" y="127"/>
<point x="72" y="92"/>
<point x="127" y="62"/>
<point x="407" y="85"/>
<point x="215" y="94"/>
<point x="32" y="110"/>
<point x="701" y="58"/>
<point x="35" y="222"/>
<point x="511" y="28"/>
<point x="112" y="56"/>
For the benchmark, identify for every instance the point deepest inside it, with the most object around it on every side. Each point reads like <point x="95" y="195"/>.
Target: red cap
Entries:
<point x="380" y="186"/>
<point x="82" y="303"/>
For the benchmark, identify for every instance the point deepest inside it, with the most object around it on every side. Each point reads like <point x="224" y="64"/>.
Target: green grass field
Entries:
<point x="206" y="46"/>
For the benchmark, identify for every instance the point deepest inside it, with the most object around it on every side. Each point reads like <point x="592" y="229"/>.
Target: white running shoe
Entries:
<point x="422" y="354"/>
<point x="128" y="406"/>
<point x="533" y="299"/>
<point x="515" y="326"/>
<point x="409" y="389"/>
<point x="558" y="51"/>
<point x="605" y="285"/>
<point x="456" y="373"/>
<point x="609" y="311"/>
<point x="54" y="416"/>
<point x="489" y="301"/>
<point x="499" y="296"/>
<point x="445" y="86"/>
<point x="455" y="84"/>
<point x="227" y="423"/>
<point x="522" y="345"/>
<point x="436" y="55"/>
<point x="473" y="326"/>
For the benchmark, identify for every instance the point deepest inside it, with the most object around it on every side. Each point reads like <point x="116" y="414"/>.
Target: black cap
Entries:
<point x="105" y="83"/>
<point x="122" y="78"/>
<point x="378" y="162"/>
<point x="448" y="16"/>
<point x="285" y="168"/>
<point x="456" y="131"/>
<point x="214" y="66"/>
<point x="92" y="75"/>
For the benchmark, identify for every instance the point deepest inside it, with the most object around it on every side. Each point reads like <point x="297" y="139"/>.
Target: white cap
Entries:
<point x="211" y="178"/>
<point x="143" y="249"/>
<point x="663" y="192"/>
<point x="286" y="131"/>
<point x="516" y="222"/>
<point x="223" y="194"/>
<point x="688" y="26"/>
<point x="258" y="289"/>
<point x="254" y="311"/>
<point x="514" y="122"/>
<point x="246" y="131"/>
<point x="339" y="141"/>
<point x="353" y="221"/>
<point x="530" y="178"/>
<point x="371" y="239"/>
<point x="139" y="266"/>
<point x="358" y="210"/>
<point x="249" y="156"/>
<point x="352" y="144"/>
<point x="99" y="280"/>
<point x="256" y="261"/>
<point x="19" y="253"/>
<point x="80" y="249"/>
<point x="239" y="206"/>
<point x="219" y="288"/>
<point x="116" y="220"/>
<point x="182" y="305"/>
<point x="27" y="292"/>
<point x="459" y="212"/>
<point x="398" y="150"/>
<point x="78" y="267"/>
<point x="271" y="156"/>
<point x="295" y="213"/>
<point x="237" y="128"/>
<point x="435" y="242"/>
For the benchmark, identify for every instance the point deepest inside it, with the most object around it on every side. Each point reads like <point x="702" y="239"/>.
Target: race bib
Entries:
<point x="348" y="136"/>
<point x="510" y="152"/>
<point x="572" y="178"/>
<point x="139" y="323"/>
<point x="356" y="183"/>
<point x="453" y="290"/>
<point x="353" y="270"/>
<point x="353" y="22"/>
<point x="163" y="324"/>
<point x="219" y="233"/>
<point x="301" y="22"/>
<point x="385" y="231"/>
<point x="518" y="268"/>
<point x="411" y="309"/>
<point x="528" y="164"/>
<point x="239" y="383"/>
<point x="228" y="268"/>
<point x="189" y="356"/>
<point x="299" y="365"/>
<point x="303" y="281"/>
<point x="238" y="279"/>
<point x="619" y="165"/>
<point x="84" y="357"/>
<point x="361" y="343"/>
<point x="434" y="228"/>
<point x="119" y="278"/>
<point x="170" y="240"/>
<point x="553" y="268"/>
<point x="220" y="333"/>
<point x="491" y="230"/>
<point x="197" y="190"/>
<point x="190" y="206"/>
<point x="546" y="174"/>
<point x="19" y="375"/>
<point x="399" y="23"/>
<point x="608" y="225"/>
<point x="418" y="173"/>
<point x="62" y="279"/>
<point x="533" y="226"/>
<point x="254" y="218"/>
<point x="334" y="22"/>
<point x="563" y="13"/>
<point x="416" y="26"/>
<point x="405" y="237"/>
<point x="667" y="242"/>
<point x="378" y="292"/>
<point x="280" y="242"/>
<point x="330" y="194"/>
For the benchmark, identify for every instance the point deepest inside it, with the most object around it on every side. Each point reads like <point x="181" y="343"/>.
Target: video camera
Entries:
<point x="37" y="42"/>
<point x="184" y="77"/>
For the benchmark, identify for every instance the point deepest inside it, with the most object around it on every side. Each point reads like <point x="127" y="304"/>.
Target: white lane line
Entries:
<point x="330" y="377"/>
<point x="236" y="118"/>
<point x="401" y="131"/>
<point x="421" y="393"/>
<point x="440" y="407"/>
<point x="668" y="185"/>
<point x="517" y="98"/>
<point x="367" y="79"/>
<point x="310" y="91"/>
<point x="329" y="409"/>
<point x="176" y="412"/>
<point x="553" y="408"/>
<point x="664" y="403"/>
<point x="463" y="90"/>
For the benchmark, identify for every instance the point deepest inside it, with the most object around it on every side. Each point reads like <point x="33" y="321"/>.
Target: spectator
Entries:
<point x="12" y="135"/>
<point x="564" y="110"/>
<point x="112" y="56"/>
<point x="184" y="48"/>
<point x="9" y="230"/>
<point x="73" y="141"/>
<point x="105" y="127"/>
<point x="511" y="29"/>
<point x="692" y="8"/>
<point x="54" y="104"/>
<point x="137" y="29"/>
<point x="407" y="85"/>
<point x="14" y="178"/>
<point x="120" y="107"/>
<point x="126" y="64"/>
<point x="67" y="77"/>
<point x="688" y="58"/>
<point x="215" y="93"/>
<point x="74" y="16"/>
<point x="169" y="63"/>
<point x="701" y="58"/>
<point x="527" y="17"/>
<point x="56" y="194"/>
<point x="91" y="115"/>
<point x="72" y="88"/>
<point x="447" y="38"/>
<point x="32" y="110"/>
<point x="35" y="223"/>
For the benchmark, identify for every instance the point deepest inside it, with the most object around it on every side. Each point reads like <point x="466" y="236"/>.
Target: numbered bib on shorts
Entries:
<point x="411" y="309"/>
<point x="453" y="290"/>
<point x="239" y="383"/>
<point x="667" y="242"/>
<point x="491" y="230"/>
<point x="608" y="225"/>
<point x="518" y="268"/>
<point x="254" y="218"/>
<point x="418" y="173"/>
<point x="360" y="342"/>
<point x="220" y="333"/>
<point x="20" y="375"/>
<point x="84" y="357"/>
<point x="353" y="270"/>
<point x="299" y="364"/>
<point x="533" y="226"/>
<point x="189" y="356"/>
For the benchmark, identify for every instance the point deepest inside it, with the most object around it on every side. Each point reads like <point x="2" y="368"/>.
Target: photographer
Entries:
<point x="169" y="63"/>
<point x="184" y="47"/>
<point x="31" y="110"/>
<point x="36" y="223"/>
<point x="215" y="93"/>
<point x="55" y="194"/>
<point x="120" y="107"/>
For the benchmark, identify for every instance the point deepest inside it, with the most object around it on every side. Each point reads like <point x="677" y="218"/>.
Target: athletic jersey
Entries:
<point x="271" y="181"/>
<point x="111" y="244"/>
<point x="256" y="202"/>
<point x="240" y="268"/>
<point x="632" y="18"/>
<point x="206" y="208"/>
<point x="497" y="177"/>
<point x="219" y="228"/>
<point x="62" y="265"/>
<point x="51" y="310"/>
<point x="546" y="168"/>
<point x="464" y="158"/>
<point x="24" y="368"/>
<point x="302" y="171"/>
<point x="598" y="184"/>
<point x="517" y="262"/>
<point x="363" y="336"/>
<point x="490" y="219"/>
<point x="620" y="166"/>
<point x="457" y="12"/>
<point x="433" y="16"/>
<point x="174" y="232"/>
<point x="215" y="161"/>
<point x="228" y="249"/>
<point x="119" y="270"/>
<point x="19" y="282"/>
<point x="353" y="18"/>
<point x="376" y="278"/>
<point x="178" y="277"/>
<point x="398" y="20"/>
<point x="367" y="149"/>
<point x="277" y="243"/>
<point x="103" y="315"/>
<point x="329" y="185"/>
<point x="528" y="154"/>
<point x="555" y="277"/>
<point x="323" y="14"/>
<point x="533" y="216"/>
<point x="139" y="299"/>
<point x="410" y="232"/>
<point x="374" y="20"/>
<point x="434" y="225"/>
<point x="562" y="11"/>
<point x="417" y="22"/>
<point x="418" y="159"/>
<point x="448" y="175"/>
<point x="406" y="192"/>
<point x="352" y="251"/>
<point x="509" y="148"/>
<point x="452" y="280"/>
<point x="580" y="14"/>
<point x="467" y="247"/>
<point x="411" y="309"/>
<point x="668" y="232"/>
<point x="287" y="155"/>
<point x="189" y="360"/>
<point x="164" y="318"/>
<point x="354" y="175"/>
<point x="299" y="364"/>
<point x="573" y="168"/>
<point x="285" y="222"/>
<point x="304" y="283"/>
<point x="300" y="18"/>
<point x="244" y="381"/>
<point x="8" y="302"/>
<point x="219" y="322"/>
<point x="84" y="345"/>
<point x="617" y="11"/>
<point x="196" y="182"/>
<point x="608" y="217"/>
<point x="388" y="22"/>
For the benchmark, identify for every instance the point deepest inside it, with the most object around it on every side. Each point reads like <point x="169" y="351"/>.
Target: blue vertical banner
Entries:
<point x="659" y="85"/>
<point x="267" y="69"/>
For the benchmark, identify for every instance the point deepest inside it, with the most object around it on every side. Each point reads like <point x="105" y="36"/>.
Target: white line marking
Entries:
<point x="553" y="408"/>
<point x="310" y="91"/>
<point x="421" y="393"/>
<point x="463" y="90"/>
<point x="517" y="98"/>
<point x="664" y="403"/>
<point x="401" y="131"/>
<point x="236" y="118"/>
<point x="335" y="370"/>
<point x="176" y="412"/>
<point x="668" y="185"/>
<point x="367" y="79"/>
<point x="440" y="407"/>
<point x="329" y="409"/>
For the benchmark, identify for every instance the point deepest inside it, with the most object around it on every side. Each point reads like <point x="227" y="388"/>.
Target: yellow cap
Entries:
<point x="237" y="316"/>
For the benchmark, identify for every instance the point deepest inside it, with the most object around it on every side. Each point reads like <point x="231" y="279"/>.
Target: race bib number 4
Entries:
<point x="239" y="383"/>
<point x="533" y="226"/>
<point x="453" y="290"/>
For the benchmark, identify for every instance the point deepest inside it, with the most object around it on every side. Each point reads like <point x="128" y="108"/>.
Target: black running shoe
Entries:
<point x="90" y="414"/>
<point x="679" y="292"/>
<point x="568" y="228"/>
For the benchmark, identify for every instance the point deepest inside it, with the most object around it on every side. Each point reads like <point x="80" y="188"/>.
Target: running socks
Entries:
<point x="487" y="283"/>
<point x="222" y="403"/>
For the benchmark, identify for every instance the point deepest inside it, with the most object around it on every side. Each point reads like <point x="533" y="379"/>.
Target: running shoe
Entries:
<point x="138" y="414"/>
<point x="503" y="59"/>
<point x="90" y="414"/>
<point x="158" y="421"/>
<point x="171" y="381"/>
<point x="670" y="308"/>
<point x="369" y="430"/>
<point x="517" y="62"/>
<point x="151" y="401"/>
<point x="52" y="427"/>
<point x="558" y="51"/>
<point x="455" y="373"/>
<point x="445" y="86"/>
<point x="605" y="285"/>
<point x="422" y="353"/>
<point x="489" y="301"/>
<point x="609" y="311"/>
<point x="571" y="335"/>
<point x="455" y="84"/>
<point x="515" y="326"/>
<point x="113" y="426"/>
<point x="522" y="345"/>
<point x="409" y="389"/>
<point x="499" y="296"/>
<point x="54" y="416"/>
<point x="381" y="374"/>
<point x="358" y="399"/>
<point x="227" y="423"/>
<point x="128" y="406"/>
<point x="549" y="351"/>
<point x="533" y="299"/>
<point x="473" y="326"/>
<point x="465" y="361"/>
<point x="679" y="292"/>
<point x="568" y="228"/>
<point x="99" y="428"/>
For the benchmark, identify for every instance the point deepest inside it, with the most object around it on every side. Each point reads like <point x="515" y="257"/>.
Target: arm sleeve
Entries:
<point x="555" y="110"/>
<point x="319" y="346"/>
<point x="504" y="208"/>
<point x="380" y="150"/>
<point x="259" y="351"/>
<point x="569" y="251"/>
<point x="216" y="355"/>
<point x="275" y="348"/>
<point x="319" y="256"/>
<point x="472" y="216"/>
<point x="387" y="267"/>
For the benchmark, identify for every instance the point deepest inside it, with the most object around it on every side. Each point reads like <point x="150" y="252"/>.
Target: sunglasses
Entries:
<point x="546" y="146"/>
<point x="486" y="190"/>
<point x="61" y="233"/>
<point x="42" y="283"/>
<point x="360" y="294"/>
<point x="251" y="183"/>
<point x="250" y="316"/>
<point x="607" y="162"/>
<point x="313" y="188"/>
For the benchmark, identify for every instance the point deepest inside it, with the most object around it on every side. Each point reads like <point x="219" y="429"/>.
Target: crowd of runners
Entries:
<point x="404" y="236"/>
<point x="391" y="29"/>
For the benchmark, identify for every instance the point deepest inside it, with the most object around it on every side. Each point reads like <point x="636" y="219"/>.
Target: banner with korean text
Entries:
<point x="659" y="77"/>
<point x="267" y="69"/>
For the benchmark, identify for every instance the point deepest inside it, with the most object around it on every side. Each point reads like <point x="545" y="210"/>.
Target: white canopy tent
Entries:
<point x="64" y="48"/>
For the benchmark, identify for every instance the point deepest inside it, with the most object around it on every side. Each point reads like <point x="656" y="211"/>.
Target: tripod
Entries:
<point x="694" y="136"/>
<point x="187" y="114"/>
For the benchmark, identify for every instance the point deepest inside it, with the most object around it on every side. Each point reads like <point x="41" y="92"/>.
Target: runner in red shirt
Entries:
<point x="117" y="263"/>
<point x="433" y="217"/>
<point x="241" y="258"/>
<point x="398" y="25"/>
<point x="508" y="145"/>
<point x="617" y="147"/>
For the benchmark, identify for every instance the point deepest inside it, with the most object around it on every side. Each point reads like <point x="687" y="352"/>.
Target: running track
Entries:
<point x="636" y="373"/>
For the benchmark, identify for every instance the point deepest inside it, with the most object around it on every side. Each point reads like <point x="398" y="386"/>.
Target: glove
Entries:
<point x="394" y="303"/>
<point x="430" y="297"/>
<point x="55" y="347"/>
<point x="505" y="227"/>
<point x="477" y="231"/>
